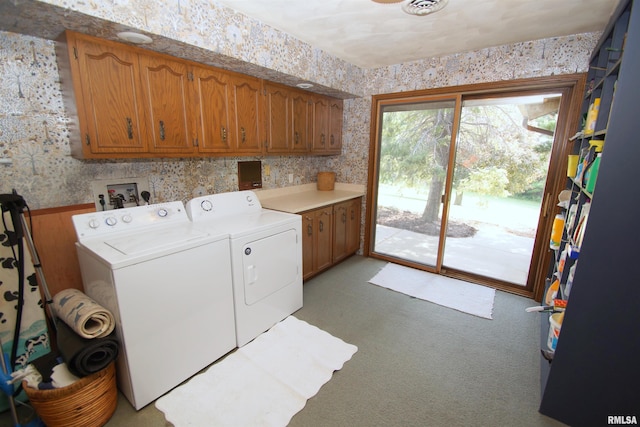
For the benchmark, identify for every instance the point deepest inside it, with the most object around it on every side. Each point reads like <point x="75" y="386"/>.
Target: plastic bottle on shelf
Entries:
<point x="592" y="174"/>
<point x="563" y="259"/>
<point x="592" y="117"/>
<point x="556" y="232"/>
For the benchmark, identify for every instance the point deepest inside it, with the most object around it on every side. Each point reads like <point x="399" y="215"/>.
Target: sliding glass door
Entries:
<point x="415" y="153"/>
<point x="500" y="170"/>
<point x="460" y="181"/>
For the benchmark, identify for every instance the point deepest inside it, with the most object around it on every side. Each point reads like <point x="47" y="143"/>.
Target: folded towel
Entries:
<point x="61" y="377"/>
<point x="82" y="314"/>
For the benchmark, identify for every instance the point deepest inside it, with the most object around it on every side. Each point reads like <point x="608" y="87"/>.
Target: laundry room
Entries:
<point x="395" y="358"/>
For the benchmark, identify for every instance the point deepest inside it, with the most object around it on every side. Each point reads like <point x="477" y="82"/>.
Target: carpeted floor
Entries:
<point x="418" y="363"/>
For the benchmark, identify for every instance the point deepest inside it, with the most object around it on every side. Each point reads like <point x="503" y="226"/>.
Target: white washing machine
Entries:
<point x="266" y="257"/>
<point x="169" y="287"/>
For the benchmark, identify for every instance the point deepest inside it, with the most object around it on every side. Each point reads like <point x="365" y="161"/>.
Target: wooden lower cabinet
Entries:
<point x="330" y="234"/>
<point x="346" y="233"/>
<point x="317" y="231"/>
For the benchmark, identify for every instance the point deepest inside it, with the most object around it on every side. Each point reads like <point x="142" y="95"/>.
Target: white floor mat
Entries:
<point x="457" y="294"/>
<point x="264" y="383"/>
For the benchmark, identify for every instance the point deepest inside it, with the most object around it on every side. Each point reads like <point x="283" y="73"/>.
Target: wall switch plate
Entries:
<point x="290" y="178"/>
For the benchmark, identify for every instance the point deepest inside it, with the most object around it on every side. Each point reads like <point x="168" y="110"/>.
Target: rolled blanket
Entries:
<point x="82" y="314"/>
<point x="85" y="356"/>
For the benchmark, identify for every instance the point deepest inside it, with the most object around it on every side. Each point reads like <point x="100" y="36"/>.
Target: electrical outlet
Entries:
<point x="290" y="178"/>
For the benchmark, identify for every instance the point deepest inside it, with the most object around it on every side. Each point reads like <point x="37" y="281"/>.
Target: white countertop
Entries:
<point x="300" y="198"/>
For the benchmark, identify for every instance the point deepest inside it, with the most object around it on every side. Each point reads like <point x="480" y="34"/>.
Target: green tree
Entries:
<point x="495" y="153"/>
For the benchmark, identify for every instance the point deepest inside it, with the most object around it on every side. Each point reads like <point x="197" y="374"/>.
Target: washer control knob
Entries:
<point x="94" y="223"/>
<point x="249" y="198"/>
<point x="126" y="218"/>
<point x="206" y="205"/>
<point x="247" y="251"/>
<point x="162" y="212"/>
<point x="111" y="221"/>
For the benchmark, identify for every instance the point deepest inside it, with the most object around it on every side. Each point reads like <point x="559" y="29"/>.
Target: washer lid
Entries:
<point x="154" y="240"/>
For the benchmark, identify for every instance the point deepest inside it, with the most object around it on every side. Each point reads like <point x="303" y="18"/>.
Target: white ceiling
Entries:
<point x="372" y="35"/>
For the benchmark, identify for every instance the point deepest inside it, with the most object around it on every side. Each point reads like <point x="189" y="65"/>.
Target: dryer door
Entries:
<point x="270" y="264"/>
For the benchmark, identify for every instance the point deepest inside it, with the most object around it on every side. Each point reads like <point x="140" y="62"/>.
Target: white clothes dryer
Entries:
<point x="169" y="287"/>
<point x="266" y="257"/>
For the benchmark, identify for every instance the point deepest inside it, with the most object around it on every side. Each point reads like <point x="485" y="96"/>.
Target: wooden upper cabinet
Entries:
<point x="248" y="103"/>
<point x="301" y="122"/>
<point x="320" y="134"/>
<point x="131" y="102"/>
<point x="171" y="119"/>
<point x="287" y="119"/>
<point x="335" y="126"/>
<point x="278" y="118"/>
<point x="327" y="125"/>
<point x="108" y="98"/>
<point x="213" y="100"/>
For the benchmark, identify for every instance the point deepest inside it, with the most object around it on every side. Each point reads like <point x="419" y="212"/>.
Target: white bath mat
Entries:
<point x="452" y="293"/>
<point x="264" y="383"/>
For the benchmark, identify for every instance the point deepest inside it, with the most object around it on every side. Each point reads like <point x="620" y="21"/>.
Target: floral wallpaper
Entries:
<point x="34" y="127"/>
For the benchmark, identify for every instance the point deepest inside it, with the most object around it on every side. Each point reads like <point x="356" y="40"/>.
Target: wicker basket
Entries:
<point x="326" y="181"/>
<point x="89" y="402"/>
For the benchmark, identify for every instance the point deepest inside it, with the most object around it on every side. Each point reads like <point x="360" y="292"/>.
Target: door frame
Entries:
<point x="571" y="86"/>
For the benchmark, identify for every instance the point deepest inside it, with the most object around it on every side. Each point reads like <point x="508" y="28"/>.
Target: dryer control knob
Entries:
<point x="249" y="199"/>
<point x="206" y="205"/>
<point x="126" y="218"/>
<point x="111" y="221"/>
<point x="162" y="212"/>
<point x="94" y="223"/>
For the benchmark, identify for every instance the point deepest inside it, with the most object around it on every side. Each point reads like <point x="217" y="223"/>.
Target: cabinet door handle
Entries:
<point x="344" y="217"/>
<point x="129" y="128"/>
<point x="244" y="134"/>
<point x="87" y="139"/>
<point x="322" y="139"/>
<point x="332" y="139"/>
<point x="297" y="137"/>
<point x="223" y="133"/>
<point x="162" y="130"/>
<point x="309" y="230"/>
<point x="321" y="226"/>
<point x="353" y="214"/>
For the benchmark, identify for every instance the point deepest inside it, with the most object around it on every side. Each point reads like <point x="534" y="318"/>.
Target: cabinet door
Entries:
<point x="213" y="99"/>
<point x="308" y="251"/>
<point x="346" y="237"/>
<point x="353" y="226"/>
<point x="319" y="138"/>
<point x="335" y="126"/>
<point x="301" y="122"/>
<point x="340" y="225"/>
<point x="165" y="84"/>
<point x="109" y="101"/>
<point x="324" y="238"/>
<point x="248" y="104"/>
<point x="278" y="119"/>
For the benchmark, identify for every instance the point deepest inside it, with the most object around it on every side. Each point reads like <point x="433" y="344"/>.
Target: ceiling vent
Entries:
<point x="423" y="7"/>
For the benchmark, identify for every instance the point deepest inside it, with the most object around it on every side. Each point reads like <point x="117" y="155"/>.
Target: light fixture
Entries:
<point x="387" y="1"/>
<point x="136" y="38"/>
<point x="423" y="7"/>
<point x="304" y="85"/>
